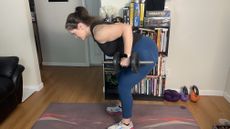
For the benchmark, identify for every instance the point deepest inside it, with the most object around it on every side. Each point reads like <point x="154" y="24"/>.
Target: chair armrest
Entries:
<point x="17" y="73"/>
<point x="8" y="65"/>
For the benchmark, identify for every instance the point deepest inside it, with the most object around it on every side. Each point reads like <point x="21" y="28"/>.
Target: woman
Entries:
<point x="112" y="38"/>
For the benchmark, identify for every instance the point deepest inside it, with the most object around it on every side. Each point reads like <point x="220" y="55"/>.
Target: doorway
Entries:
<point x="55" y="46"/>
<point x="36" y="34"/>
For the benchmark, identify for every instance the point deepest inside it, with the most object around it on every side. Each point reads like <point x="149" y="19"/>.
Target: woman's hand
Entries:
<point x="125" y="61"/>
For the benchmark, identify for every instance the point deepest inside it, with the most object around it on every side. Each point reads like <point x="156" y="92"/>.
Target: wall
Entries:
<point x="17" y="39"/>
<point x="58" y="46"/>
<point x="199" y="45"/>
<point x="198" y="50"/>
<point x="227" y="88"/>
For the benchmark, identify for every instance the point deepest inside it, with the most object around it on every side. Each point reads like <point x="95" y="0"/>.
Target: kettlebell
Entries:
<point x="184" y="94"/>
<point x="194" y="95"/>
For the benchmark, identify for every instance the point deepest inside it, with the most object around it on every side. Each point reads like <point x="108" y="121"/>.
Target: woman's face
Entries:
<point x="80" y="31"/>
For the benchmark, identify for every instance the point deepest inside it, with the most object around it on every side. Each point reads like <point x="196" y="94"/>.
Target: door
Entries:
<point x="59" y="48"/>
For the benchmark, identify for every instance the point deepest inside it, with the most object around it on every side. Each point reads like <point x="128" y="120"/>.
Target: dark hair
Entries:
<point x="80" y="15"/>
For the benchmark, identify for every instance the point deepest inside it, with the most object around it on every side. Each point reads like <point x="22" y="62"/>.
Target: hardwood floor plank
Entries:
<point x="85" y="85"/>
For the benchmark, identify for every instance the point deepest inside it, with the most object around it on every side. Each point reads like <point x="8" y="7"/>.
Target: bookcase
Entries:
<point x="156" y="25"/>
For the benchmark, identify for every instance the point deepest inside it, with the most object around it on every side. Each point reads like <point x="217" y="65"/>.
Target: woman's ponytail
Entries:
<point x="80" y="15"/>
<point x="81" y="12"/>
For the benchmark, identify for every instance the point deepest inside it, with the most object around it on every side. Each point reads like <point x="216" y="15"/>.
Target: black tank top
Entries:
<point x="110" y="48"/>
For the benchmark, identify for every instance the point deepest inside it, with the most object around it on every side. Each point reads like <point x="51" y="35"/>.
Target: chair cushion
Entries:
<point x="6" y="87"/>
<point x="8" y="65"/>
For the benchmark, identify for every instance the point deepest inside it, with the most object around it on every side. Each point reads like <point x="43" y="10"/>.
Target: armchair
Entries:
<point x="11" y="85"/>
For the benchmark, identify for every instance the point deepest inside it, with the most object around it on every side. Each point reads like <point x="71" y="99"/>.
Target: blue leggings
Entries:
<point x="147" y="51"/>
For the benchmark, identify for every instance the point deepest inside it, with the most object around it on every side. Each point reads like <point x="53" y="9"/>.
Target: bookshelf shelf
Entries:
<point x="114" y="96"/>
<point x="157" y="27"/>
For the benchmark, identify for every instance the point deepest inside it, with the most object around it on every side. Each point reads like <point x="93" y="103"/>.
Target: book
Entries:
<point x="165" y="42"/>
<point x="158" y="38"/>
<point x="162" y="14"/>
<point x="131" y="13"/>
<point x="126" y="14"/>
<point x="157" y="18"/>
<point x="142" y="13"/>
<point x="136" y="16"/>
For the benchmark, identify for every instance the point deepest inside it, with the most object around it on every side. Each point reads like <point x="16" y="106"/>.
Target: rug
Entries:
<point x="94" y="116"/>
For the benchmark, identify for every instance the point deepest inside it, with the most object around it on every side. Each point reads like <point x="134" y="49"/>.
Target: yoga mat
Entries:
<point x="94" y="116"/>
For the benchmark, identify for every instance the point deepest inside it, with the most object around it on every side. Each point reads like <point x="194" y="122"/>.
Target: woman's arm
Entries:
<point x="109" y="32"/>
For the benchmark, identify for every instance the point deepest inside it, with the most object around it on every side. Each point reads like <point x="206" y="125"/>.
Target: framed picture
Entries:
<point x="58" y="0"/>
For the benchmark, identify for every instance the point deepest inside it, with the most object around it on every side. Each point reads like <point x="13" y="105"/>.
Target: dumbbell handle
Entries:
<point x="146" y="62"/>
<point x="140" y="62"/>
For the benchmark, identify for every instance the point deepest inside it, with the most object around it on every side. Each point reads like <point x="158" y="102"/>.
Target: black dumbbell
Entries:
<point x="115" y="62"/>
<point x="134" y="62"/>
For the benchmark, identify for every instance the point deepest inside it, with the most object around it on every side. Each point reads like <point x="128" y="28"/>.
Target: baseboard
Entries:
<point x="211" y="92"/>
<point x="227" y="96"/>
<point x="208" y="92"/>
<point x="65" y="64"/>
<point x="28" y="90"/>
<point x="96" y="65"/>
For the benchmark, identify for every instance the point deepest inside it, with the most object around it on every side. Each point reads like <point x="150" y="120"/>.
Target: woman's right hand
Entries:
<point x="125" y="61"/>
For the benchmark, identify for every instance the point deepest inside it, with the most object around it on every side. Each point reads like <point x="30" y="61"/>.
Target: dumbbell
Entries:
<point x="115" y="62"/>
<point x="134" y="62"/>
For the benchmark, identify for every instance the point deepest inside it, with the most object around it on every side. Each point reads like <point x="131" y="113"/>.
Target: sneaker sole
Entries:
<point x="114" y="113"/>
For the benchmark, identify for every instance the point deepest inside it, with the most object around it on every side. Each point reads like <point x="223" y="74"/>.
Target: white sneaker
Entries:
<point x="115" y="110"/>
<point x="120" y="125"/>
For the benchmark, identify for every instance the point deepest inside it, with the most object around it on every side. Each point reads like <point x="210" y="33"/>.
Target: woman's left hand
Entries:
<point x="125" y="62"/>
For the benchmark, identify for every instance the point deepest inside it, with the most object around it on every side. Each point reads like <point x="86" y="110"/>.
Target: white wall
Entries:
<point x="58" y="46"/>
<point x="198" y="52"/>
<point x="227" y="88"/>
<point x="17" y="38"/>
<point x="199" y="44"/>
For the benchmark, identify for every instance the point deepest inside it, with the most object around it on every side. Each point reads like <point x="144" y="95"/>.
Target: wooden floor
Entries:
<point x="85" y="85"/>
